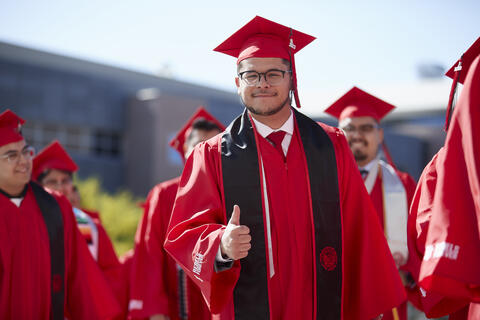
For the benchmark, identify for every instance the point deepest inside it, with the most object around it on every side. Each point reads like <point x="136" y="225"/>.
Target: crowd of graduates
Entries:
<point x="274" y="217"/>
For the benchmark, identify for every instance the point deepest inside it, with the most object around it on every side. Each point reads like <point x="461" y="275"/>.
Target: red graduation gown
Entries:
<point x="25" y="266"/>
<point x="452" y="251"/>
<point x="109" y="264"/>
<point x="291" y="240"/>
<point x="126" y="261"/>
<point x="371" y="284"/>
<point x="154" y="278"/>
<point x="377" y="198"/>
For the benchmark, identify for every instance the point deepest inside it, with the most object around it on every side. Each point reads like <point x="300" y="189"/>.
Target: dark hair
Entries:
<point x="203" y="124"/>
<point x="42" y="175"/>
<point x="285" y="62"/>
<point x="45" y="173"/>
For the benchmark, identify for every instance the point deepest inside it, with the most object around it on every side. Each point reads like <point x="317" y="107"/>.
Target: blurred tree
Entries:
<point x="119" y="212"/>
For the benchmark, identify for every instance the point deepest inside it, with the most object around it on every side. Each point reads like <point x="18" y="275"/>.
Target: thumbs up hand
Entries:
<point x="236" y="239"/>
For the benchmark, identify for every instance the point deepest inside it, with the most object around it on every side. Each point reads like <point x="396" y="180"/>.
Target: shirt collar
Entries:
<point x="369" y="165"/>
<point x="265" y="130"/>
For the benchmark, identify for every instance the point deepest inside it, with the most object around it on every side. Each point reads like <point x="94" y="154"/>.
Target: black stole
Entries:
<point x="53" y="220"/>
<point x="242" y="186"/>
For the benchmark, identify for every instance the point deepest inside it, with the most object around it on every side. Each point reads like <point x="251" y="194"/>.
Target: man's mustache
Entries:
<point x="351" y="142"/>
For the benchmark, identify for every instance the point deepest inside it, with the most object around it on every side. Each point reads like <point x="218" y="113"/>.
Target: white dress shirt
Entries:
<point x="288" y="126"/>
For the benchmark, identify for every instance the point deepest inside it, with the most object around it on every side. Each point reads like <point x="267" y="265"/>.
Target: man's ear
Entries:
<point x="237" y="83"/>
<point x="380" y="135"/>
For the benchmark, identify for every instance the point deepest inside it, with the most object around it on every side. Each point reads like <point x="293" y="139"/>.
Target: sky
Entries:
<point x="364" y="43"/>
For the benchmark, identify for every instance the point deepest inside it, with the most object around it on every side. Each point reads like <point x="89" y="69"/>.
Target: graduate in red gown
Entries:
<point x="46" y="271"/>
<point x="159" y="289"/>
<point x="447" y="188"/>
<point x="452" y="249"/>
<point x="359" y="114"/>
<point x="53" y="168"/>
<point x="271" y="219"/>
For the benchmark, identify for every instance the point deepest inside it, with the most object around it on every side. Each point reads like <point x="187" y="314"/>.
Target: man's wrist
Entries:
<point x="222" y="264"/>
<point x="220" y="257"/>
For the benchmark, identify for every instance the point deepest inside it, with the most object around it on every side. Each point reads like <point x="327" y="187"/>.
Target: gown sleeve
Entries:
<point x="198" y="223"/>
<point x="108" y="261"/>
<point x="111" y="266"/>
<point x="150" y="258"/>
<point x="433" y="304"/>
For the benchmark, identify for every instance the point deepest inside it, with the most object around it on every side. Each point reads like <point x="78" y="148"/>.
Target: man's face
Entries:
<point x="263" y="98"/>
<point x="15" y="167"/>
<point x="60" y="181"/>
<point x="364" y="138"/>
<point x="75" y="198"/>
<point x="196" y="137"/>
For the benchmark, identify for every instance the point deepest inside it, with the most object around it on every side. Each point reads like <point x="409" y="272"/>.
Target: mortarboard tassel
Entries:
<point x="453" y="92"/>
<point x="291" y="47"/>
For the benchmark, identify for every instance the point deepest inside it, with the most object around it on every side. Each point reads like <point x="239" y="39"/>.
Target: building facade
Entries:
<point x="103" y="115"/>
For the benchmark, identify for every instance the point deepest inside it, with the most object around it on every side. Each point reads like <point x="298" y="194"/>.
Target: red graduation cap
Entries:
<point x="458" y="73"/>
<point x="10" y="127"/>
<point x="358" y="103"/>
<point x="262" y="38"/>
<point x="178" y="141"/>
<point x="462" y="65"/>
<point x="52" y="156"/>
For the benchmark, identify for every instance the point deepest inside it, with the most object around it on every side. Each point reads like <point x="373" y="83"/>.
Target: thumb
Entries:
<point x="235" y="218"/>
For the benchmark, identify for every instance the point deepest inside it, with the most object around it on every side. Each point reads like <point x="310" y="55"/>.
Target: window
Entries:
<point x="107" y="143"/>
<point x="74" y="138"/>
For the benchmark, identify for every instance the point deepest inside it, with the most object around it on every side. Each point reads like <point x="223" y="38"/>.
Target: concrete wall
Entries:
<point x="152" y="123"/>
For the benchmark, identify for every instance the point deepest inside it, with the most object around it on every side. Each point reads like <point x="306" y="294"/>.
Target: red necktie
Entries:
<point x="276" y="139"/>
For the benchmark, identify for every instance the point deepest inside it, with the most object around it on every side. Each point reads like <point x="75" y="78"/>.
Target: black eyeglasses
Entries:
<point x="14" y="156"/>
<point x="273" y="77"/>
